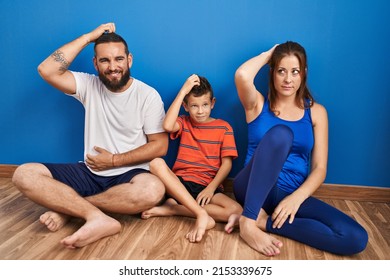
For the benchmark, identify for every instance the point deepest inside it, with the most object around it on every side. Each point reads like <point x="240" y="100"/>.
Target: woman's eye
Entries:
<point x="295" y="72"/>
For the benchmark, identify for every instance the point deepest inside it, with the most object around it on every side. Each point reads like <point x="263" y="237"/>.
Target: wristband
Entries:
<point x="112" y="160"/>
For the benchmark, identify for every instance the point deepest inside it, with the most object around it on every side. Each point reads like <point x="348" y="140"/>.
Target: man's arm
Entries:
<point x="54" y="69"/>
<point x="157" y="146"/>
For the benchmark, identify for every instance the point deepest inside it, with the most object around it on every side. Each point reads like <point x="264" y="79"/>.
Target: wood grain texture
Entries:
<point x="326" y="191"/>
<point x="22" y="237"/>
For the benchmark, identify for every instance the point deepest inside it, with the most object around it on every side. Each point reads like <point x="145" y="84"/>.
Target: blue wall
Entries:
<point x="347" y="44"/>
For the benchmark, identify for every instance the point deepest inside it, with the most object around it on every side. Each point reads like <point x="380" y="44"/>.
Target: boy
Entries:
<point x="204" y="160"/>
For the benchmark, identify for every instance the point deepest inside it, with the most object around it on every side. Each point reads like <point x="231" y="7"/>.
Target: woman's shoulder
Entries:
<point x="318" y="112"/>
<point x="318" y="108"/>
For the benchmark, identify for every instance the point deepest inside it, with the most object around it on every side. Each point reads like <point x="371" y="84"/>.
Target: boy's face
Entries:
<point x="200" y="107"/>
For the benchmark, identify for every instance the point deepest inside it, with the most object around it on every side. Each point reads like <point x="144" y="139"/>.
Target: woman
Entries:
<point x="286" y="161"/>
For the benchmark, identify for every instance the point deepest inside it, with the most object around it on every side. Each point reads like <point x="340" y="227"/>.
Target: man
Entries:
<point x="123" y="132"/>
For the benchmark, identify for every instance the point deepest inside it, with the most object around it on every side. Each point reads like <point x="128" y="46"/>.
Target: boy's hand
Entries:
<point x="204" y="197"/>
<point x="192" y="81"/>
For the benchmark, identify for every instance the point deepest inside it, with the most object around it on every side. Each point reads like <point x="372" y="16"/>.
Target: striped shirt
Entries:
<point x="201" y="149"/>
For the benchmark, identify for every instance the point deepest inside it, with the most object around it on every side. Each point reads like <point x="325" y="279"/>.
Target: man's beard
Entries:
<point x="115" y="85"/>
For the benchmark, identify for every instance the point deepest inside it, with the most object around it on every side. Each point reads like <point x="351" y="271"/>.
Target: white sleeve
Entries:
<point x="83" y="81"/>
<point x="154" y="114"/>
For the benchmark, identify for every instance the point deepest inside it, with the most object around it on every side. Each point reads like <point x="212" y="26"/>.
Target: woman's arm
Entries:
<point x="251" y="99"/>
<point x="289" y="206"/>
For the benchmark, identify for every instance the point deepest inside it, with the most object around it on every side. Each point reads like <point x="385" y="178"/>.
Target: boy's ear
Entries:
<point x="185" y="106"/>
<point x="213" y="102"/>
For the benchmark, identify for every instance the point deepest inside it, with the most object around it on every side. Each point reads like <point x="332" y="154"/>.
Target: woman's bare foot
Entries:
<point x="258" y="239"/>
<point x="261" y="221"/>
<point x="161" y="211"/>
<point x="54" y="220"/>
<point x="91" y="231"/>
<point x="232" y="222"/>
<point x="203" y="223"/>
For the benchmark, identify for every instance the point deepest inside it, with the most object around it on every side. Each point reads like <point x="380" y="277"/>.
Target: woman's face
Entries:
<point x="287" y="76"/>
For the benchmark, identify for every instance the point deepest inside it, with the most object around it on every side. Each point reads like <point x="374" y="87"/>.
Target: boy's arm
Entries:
<point x="205" y="196"/>
<point x="170" y="124"/>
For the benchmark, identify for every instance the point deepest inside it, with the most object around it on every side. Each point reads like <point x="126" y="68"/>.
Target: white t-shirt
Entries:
<point x="118" y="122"/>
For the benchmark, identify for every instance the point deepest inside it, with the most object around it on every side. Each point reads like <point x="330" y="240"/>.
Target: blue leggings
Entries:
<point x="316" y="223"/>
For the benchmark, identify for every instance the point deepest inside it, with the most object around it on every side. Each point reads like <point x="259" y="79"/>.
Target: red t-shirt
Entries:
<point x="202" y="147"/>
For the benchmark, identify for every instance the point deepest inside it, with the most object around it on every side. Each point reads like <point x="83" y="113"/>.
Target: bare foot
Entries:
<point x="258" y="239"/>
<point x="261" y="221"/>
<point x="203" y="223"/>
<point x="54" y="220"/>
<point x="91" y="231"/>
<point x="161" y="211"/>
<point x="232" y="222"/>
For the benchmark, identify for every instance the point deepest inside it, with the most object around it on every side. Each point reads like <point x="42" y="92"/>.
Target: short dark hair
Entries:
<point x="111" y="38"/>
<point x="203" y="88"/>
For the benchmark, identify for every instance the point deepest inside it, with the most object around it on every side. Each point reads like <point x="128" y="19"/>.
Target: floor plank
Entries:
<point x="22" y="237"/>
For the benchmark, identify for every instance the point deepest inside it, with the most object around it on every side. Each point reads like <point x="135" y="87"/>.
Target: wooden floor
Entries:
<point x="22" y="237"/>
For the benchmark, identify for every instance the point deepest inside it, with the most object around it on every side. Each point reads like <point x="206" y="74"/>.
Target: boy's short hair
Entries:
<point x="204" y="87"/>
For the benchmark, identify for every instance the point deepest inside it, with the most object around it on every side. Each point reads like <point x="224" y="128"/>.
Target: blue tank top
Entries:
<point x="296" y="167"/>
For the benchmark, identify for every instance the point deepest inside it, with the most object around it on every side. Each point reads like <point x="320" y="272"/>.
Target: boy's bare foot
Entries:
<point x="258" y="239"/>
<point x="161" y="211"/>
<point x="203" y="223"/>
<point x="54" y="220"/>
<point x="232" y="222"/>
<point x="92" y="231"/>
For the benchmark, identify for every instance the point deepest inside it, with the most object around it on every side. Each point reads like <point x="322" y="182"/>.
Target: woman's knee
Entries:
<point x="358" y="239"/>
<point x="281" y="135"/>
<point x="352" y="239"/>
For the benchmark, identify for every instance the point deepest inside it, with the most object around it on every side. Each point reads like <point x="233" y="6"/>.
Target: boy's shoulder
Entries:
<point x="221" y="122"/>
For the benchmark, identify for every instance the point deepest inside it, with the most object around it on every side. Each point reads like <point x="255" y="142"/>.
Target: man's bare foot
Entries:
<point x="203" y="223"/>
<point x="92" y="231"/>
<point x="54" y="220"/>
<point x="232" y="222"/>
<point x="161" y="211"/>
<point x="258" y="239"/>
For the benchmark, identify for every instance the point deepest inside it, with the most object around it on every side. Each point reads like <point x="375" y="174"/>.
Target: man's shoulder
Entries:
<point x="84" y="75"/>
<point x="144" y="86"/>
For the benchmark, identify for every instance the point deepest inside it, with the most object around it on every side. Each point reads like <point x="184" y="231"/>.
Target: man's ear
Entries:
<point x="130" y="60"/>
<point x="95" y="63"/>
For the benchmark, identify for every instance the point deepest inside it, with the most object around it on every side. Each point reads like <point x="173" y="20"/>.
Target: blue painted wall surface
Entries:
<point x="347" y="44"/>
